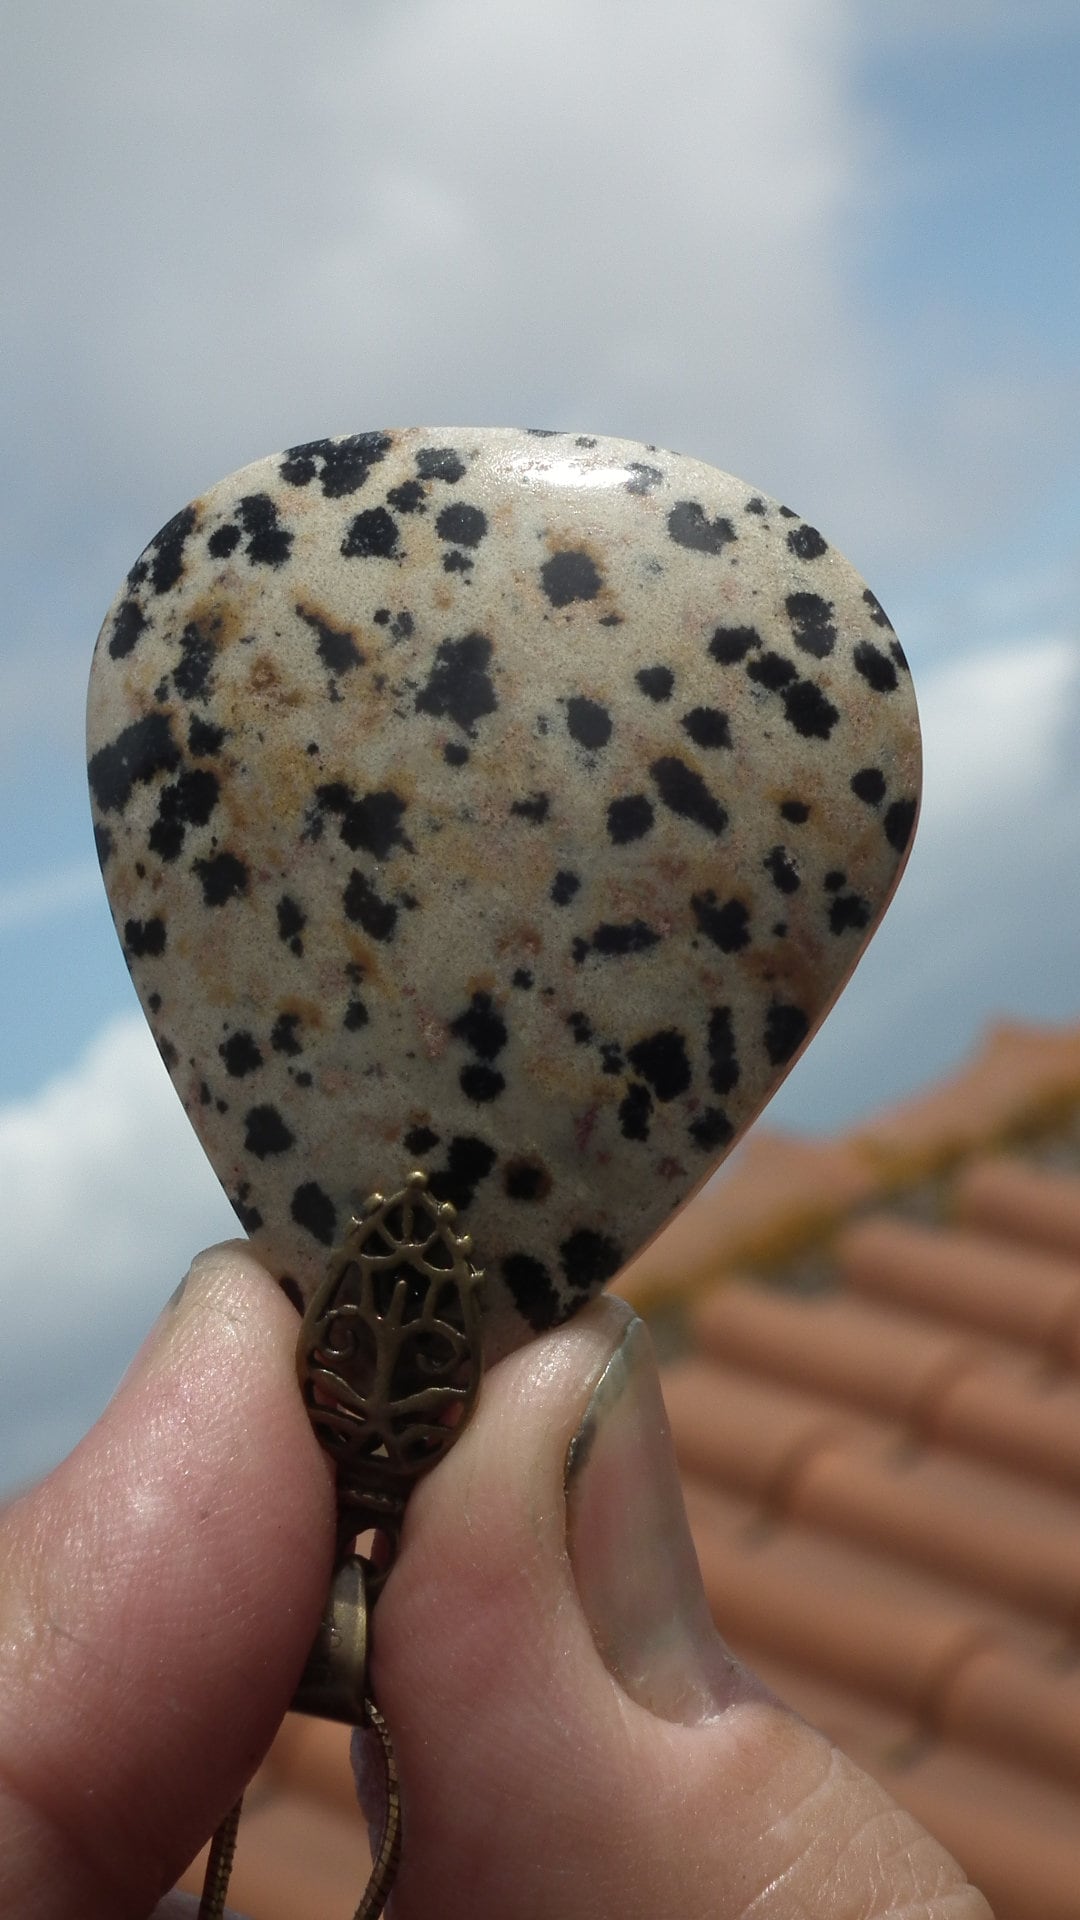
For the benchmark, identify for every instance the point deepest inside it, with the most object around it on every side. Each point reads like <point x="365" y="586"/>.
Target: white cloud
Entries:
<point x="994" y="728"/>
<point x="108" y="1199"/>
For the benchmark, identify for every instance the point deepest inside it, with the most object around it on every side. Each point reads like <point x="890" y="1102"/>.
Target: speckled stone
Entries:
<point x="504" y="804"/>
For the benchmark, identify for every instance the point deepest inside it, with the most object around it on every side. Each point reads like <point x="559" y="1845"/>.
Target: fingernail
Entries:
<point x="633" y="1558"/>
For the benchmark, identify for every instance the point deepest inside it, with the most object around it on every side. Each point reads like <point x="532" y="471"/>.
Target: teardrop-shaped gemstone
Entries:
<point x="509" y="806"/>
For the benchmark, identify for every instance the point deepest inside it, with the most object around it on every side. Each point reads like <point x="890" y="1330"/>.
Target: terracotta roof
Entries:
<point x="873" y="1379"/>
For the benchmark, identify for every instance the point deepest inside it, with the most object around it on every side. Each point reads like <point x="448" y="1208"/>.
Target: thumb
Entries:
<point x="572" y="1734"/>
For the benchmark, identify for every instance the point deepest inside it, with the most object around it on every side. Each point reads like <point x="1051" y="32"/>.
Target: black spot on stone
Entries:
<point x="468" y="1161"/>
<point x="370" y="823"/>
<point x="629" y="818"/>
<point x="729" y="645"/>
<point x="772" y="671"/>
<point x="223" y="878"/>
<point x="661" y="1059"/>
<point x="786" y="1027"/>
<point x="356" y="1016"/>
<point x="241" y="1054"/>
<point x="420" y="1140"/>
<point x="782" y="870"/>
<point x="876" y="668"/>
<point x="314" y="1210"/>
<point x="440" y="463"/>
<point x="848" y="910"/>
<point x="728" y="927"/>
<point x="204" y="740"/>
<point x="789" y="513"/>
<point x="372" y="535"/>
<point x="899" y="822"/>
<point x="192" y="678"/>
<point x="588" y="1259"/>
<point x="265" y="1132"/>
<point x="292" y="1292"/>
<point x="291" y="920"/>
<point x="367" y="909"/>
<point x="455" y="753"/>
<point x="808" y="711"/>
<point x="457" y="562"/>
<point x="224" y="540"/>
<point x="535" y="807"/>
<point x="127" y="626"/>
<point x="611" y="1057"/>
<point x="812" y="626"/>
<point x="480" y="1083"/>
<point x="167" y="549"/>
<point x="780" y="929"/>
<point x="656" y="682"/>
<point x="564" y="886"/>
<point x="481" y="1027"/>
<point x="806" y="543"/>
<point x="268" y="541"/>
<point x="461" y="524"/>
<point x="103" y="843"/>
<point x="408" y="498"/>
<point x="877" y="612"/>
<point x="300" y="1079"/>
<point x="613" y="939"/>
<point x="588" y="722"/>
<point x="186" y="802"/>
<point x="459" y="686"/>
<point x="643" y="478"/>
<point x="869" y="785"/>
<point x="524" y="1180"/>
<point x="143" y="749"/>
<point x="723" y="1059"/>
<point x="690" y="527"/>
<point x="756" y="505"/>
<point x="635" y="1112"/>
<point x="610" y="620"/>
<point x="581" y="1028"/>
<point x="569" y="575"/>
<point x="900" y="657"/>
<point x="167" y="1051"/>
<point x="521" y="978"/>
<point x="336" y="646"/>
<point x="686" y="794"/>
<point x="834" y="880"/>
<point x="343" y="465"/>
<point x="796" y="811"/>
<point x="711" y="1129"/>
<point x="143" y="938"/>
<point x="402" y="627"/>
<point x="283" y="1036"/>
<point x="249" y="1217"/>
<point x="707" y="727"/>
<point x="529" y="1285"/>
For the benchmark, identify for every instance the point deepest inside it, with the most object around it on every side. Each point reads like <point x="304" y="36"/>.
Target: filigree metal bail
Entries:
<point x="389" y="1360"/>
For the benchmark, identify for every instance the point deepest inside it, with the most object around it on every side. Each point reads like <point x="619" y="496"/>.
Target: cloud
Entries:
<point x="109" y="1198"/>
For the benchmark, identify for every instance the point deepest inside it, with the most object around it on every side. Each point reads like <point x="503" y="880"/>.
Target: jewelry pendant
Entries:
<point x="489" y="818"/>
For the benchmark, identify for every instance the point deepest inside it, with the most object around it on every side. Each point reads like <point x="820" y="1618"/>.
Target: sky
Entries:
<point x="828" y="246"/>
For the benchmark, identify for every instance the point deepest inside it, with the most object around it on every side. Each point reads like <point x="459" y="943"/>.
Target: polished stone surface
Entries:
<point x="504" y="804"/>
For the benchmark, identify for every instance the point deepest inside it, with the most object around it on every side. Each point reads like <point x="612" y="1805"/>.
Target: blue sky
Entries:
<point x="831" y="247"/>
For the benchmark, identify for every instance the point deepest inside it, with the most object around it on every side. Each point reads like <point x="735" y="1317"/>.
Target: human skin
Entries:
<point x="572" y="1735"/>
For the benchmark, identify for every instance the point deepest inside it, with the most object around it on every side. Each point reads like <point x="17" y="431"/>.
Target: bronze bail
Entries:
<point x="389" y="1361"/>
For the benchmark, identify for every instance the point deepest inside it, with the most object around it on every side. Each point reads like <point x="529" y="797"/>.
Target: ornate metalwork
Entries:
<point x="390" y="1357"/>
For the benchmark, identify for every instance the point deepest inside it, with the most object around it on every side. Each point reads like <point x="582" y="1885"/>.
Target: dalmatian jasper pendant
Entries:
<point x="507" y="807"/>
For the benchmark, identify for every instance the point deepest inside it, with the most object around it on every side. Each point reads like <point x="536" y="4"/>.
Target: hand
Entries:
<point x="572" y="1736"/>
